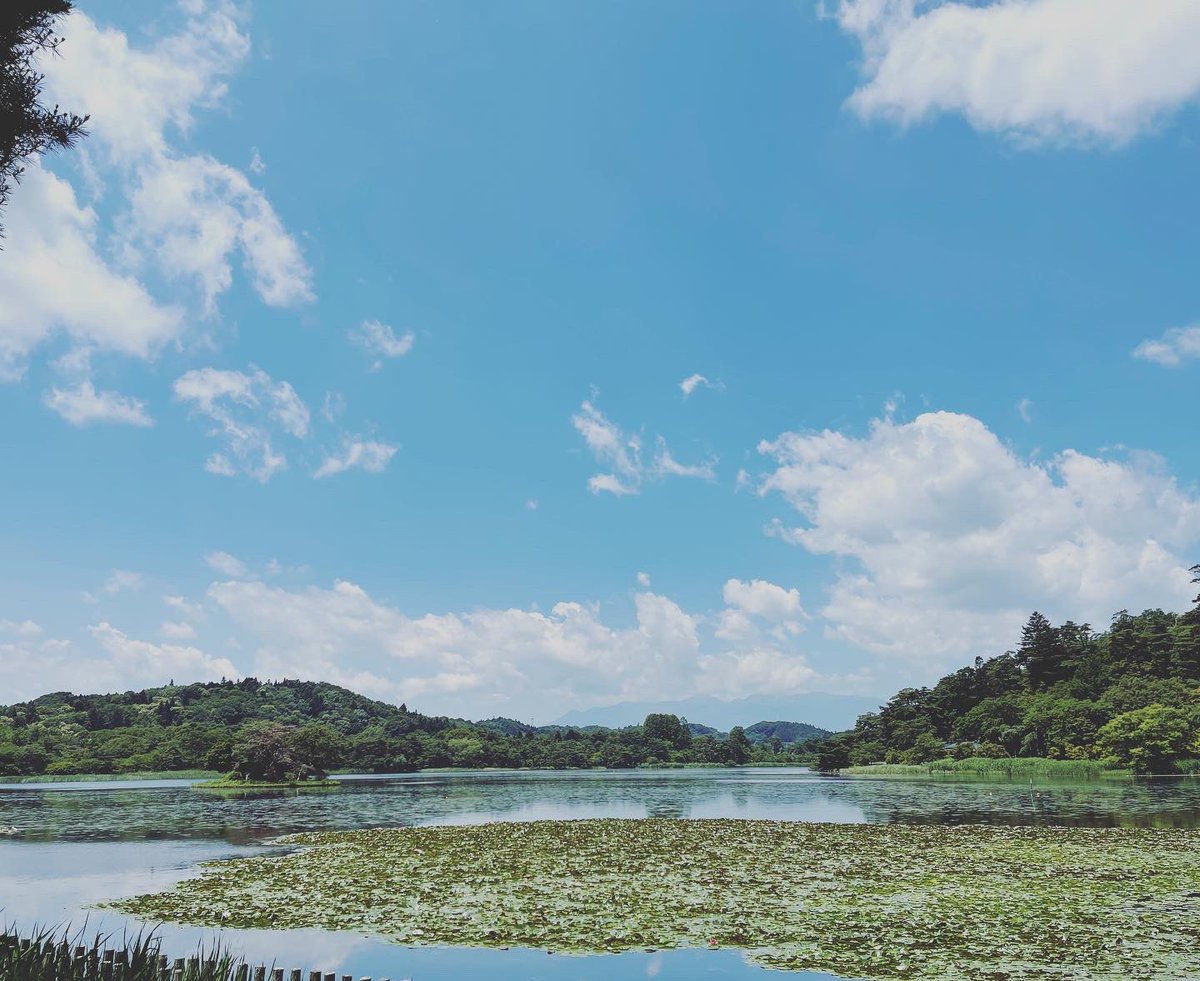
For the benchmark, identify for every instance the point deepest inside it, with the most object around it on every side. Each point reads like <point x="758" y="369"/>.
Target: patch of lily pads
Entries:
<point x="860" y="901"/>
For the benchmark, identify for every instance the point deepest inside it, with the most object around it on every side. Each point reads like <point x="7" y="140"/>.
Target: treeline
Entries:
<point x="1129" y="696"/>
<point x="313" y="727"/>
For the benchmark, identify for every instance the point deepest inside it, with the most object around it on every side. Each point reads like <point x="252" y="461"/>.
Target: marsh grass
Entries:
<point x="108" y="777"/>
<point x="985" y="766"/>
<point x="46" y="954"/>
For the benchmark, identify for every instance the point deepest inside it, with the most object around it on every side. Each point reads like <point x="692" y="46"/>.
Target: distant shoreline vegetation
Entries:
<point x="279" y="732"/>
<point x="1067" y="701"/>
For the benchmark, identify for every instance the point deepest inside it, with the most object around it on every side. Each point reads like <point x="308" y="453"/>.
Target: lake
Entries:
<point x="79" y="844"/>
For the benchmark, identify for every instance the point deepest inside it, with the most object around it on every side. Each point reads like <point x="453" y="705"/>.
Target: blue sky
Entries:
<point x="350" y="345"/>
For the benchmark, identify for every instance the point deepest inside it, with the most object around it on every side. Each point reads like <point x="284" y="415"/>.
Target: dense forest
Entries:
<point x="304" y="727"/>
<point x="1129" y="696"/>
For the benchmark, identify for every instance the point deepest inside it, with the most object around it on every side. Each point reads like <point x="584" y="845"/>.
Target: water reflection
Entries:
<point x="172" y="810"/>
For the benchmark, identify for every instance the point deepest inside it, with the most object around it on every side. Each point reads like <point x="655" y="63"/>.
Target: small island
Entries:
<point x="268" y="756"/>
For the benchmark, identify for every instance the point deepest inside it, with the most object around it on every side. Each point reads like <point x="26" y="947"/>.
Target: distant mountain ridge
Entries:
<point x="835" y="713"/>
<point x="758" y="732"/>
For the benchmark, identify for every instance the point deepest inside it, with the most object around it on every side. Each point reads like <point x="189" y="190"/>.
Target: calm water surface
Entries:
<point x="79" y="844"/>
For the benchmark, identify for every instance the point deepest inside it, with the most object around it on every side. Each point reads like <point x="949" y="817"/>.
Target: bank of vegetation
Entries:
<point x="299" y="730"/>
<point x="1069" y="700"/>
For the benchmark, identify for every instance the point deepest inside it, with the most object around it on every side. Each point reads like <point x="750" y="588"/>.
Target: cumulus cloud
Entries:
<point x="1177" y="345"/>
<point x="950" y="539"/>
<point x="82" y="405"/>
<point x="108" y="660"/>
<point x="187" y="214"/>
<point x="380" y="341"/>
<point x="245" y="410"/>
<point x="512" y="661"/>
<point x="755" y="607"/>
<point x="156" y="664"/>
<point x="611" y="447"/>
<point x="369" y="455"/>
<point x="1042" y="70"/>
<point x="54" y="281"/>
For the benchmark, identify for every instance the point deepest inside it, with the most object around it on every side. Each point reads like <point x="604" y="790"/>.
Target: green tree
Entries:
<point x="738" y="746"/>
<point x="667" y="727"/>
<point x="1150" y="739"/>
<point x="263" y="751"/>
<point x="27" y="128"/>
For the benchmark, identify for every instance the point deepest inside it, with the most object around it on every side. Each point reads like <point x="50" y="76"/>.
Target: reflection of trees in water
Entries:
<point x="181" y="813"/>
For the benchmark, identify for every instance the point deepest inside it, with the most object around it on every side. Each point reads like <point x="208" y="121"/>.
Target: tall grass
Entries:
<point x="1025" y="767"/>
<point x="105" y="777"/>
<point x="48" y="955"/>
<point x="986" y="766"/>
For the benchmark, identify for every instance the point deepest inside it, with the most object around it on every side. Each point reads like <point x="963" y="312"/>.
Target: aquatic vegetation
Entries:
<point x="266" y="785"/>
<point x="878" y="901"/>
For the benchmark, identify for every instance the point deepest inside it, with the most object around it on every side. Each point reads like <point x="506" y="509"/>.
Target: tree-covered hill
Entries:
<point x="785" y="732"/>
<point x="317" y="726"/>
<point x="1129" y="695"/>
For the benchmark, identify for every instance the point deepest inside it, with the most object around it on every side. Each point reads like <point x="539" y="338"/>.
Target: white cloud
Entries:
<point x="1042" y="70"/>
<point x="692" y="382"/>
<point x="531" y="504"/>
<point x="183" y="605"/>
<point x="368" y="455"/>
<point x="53" y="280"/>
<point x="1177" y="345"/>
<point x="122" y="580"/>
<point x="643" y="579"/>
<point x="83" y="404"/>
<point x="504" y="661"/>
<point x="24" y="628"/>
<point x="764" y="599"/>
<point x="667" y="466"/>
<point x="177" y="630"/>
<point x="154" y="664"/>
<point x="1025" y="410"/>
<point x="227" y="565"/>
<point x="244" y="409"/>
<point x="621" y="451"/>
<point x="380" y="341"/>
<point x="953" y="540"/>
<point x="257" y="166"/>
<point x="182" y="215"/>
<point x="189" y="215"/>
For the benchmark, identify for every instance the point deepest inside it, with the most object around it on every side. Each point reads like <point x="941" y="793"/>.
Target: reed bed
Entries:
<point x="49" y="955"/>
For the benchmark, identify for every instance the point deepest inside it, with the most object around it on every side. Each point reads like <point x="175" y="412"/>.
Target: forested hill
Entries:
<point x="210" y="726"/>
<point x="1129" y="695"/>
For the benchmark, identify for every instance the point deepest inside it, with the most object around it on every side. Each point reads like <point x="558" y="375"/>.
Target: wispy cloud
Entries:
<point x="245" y="409"/>
<point x="622" y="452"/>
<point x="380" y="341"/>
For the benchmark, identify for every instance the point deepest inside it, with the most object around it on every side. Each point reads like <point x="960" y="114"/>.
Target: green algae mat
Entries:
<point x="859" y="901"/>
